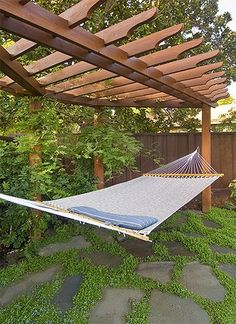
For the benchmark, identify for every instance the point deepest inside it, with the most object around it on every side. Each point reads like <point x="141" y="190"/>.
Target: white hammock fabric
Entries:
<point x="144" y="202"/>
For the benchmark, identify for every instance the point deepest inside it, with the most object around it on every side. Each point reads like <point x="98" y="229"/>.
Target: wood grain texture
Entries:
<point x="120" y="77"/>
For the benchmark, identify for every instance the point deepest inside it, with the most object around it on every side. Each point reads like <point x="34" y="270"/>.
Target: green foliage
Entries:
<point x="52" y="128"/>
<point x="232" y="187"/>
<point x="114" y="147"/>
<point x="228" y="121"/>
<point x="226" y="101"/>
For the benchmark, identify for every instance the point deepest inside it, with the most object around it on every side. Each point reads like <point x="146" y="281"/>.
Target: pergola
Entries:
<point x="104" y="74"/>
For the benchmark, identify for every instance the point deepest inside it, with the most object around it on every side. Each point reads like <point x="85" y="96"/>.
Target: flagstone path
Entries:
<point x="137" y="247"/>
<point x="170" y="309"/>
<point x="210" y="224"/>
<point x="116" y="302"/>
<point x="77" y="242"/>
<point x="230" y="269"/>
<point x="64" y="297"/>
<point x="101" y="258"/>
<point x="26" y="285"/>
<point x="222" y="249"/>
<point x="200" y="279"/>
<point x="159" y="271"/>
<point x="177" y="248"/>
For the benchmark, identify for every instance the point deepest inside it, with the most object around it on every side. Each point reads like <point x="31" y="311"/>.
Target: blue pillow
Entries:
<point x="132" y="222"/>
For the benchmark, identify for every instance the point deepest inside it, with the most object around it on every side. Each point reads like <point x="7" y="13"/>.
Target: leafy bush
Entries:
<point x="116" y="148"/>
<point x="232" y="187"/>
<point x="50" y="178"/>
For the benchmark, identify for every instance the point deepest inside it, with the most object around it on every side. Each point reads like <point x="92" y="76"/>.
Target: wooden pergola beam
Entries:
<point x="176" y="103"/>
<point x="16" y="72"/>
<point x="21" y="47"/>
<point x="95" y="77"/>
<point x="216" y="87"/>
<point x="103" y="56"/>
<point x="132" y="48"/>
<point x="156" y="58"/>
<point x="156" y="97"/>
<point x="195" y="73"/>
<point x="219" y="96"/>
<point x="208" y="84"/>
<point x="83" y="9"/>
<point x="135" y="47"/>
<point x="223" y="92"/>
<point x="80" y="12"/>
<point x="137" y="89"/>
<point x="116" y="86"/>
<point x="184" y="64"/>
<point x="202" y="80"/>
<point x="109" y="35"/>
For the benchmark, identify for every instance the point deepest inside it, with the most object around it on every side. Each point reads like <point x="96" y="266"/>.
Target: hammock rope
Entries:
<point x="138" y="206"/>
<point x="191" y="165"/>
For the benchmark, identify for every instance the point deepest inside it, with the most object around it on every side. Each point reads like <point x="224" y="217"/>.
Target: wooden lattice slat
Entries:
<point x="119" y="78"/>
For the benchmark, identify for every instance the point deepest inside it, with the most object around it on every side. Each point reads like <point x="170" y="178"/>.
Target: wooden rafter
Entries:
<point x="91" y="48"/>
<point x="117" y="77"/>
<point x="209" y="84"/>
<point x="83" y="10"/>
<point x="16" y="71"/>
<point x="135" y="47"/>
<point x="124" y="29"/>
<point x="118" y="86"/>
<point x="151" y="59"/>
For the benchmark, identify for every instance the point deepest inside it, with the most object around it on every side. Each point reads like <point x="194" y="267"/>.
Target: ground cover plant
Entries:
<point x="38" y="307"/>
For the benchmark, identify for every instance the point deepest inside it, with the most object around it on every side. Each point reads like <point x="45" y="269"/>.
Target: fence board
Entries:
<point x="172" y="146"/>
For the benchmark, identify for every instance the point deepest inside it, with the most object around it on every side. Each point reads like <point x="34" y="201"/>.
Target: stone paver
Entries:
<point x="176" y="248"/>
<point x="26" y="285"/>
<point x="104" y="234"/>
<point x="230" y="269"/>
<point x="70" y="287"/>
<point x="170" y="309"/>
<point x="137" y="247"/>
<point x="77" y="242"/>
<point x="181" y="220"/>
<point x="210" y="224"/>
<point x="116" y="303"/>
<point x="222" y="249"/>
<point x="160" y="271"/>
<point x="199" y="279"/>
<point x="102" y="258"/>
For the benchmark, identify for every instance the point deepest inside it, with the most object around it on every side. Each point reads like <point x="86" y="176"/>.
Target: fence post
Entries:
<point x="98" y="165"/>
<point x="36" y="158"/>
<point x="206" y="152"/>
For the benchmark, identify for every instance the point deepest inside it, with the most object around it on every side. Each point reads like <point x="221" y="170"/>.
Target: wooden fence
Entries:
<point x="169" y="147"/>
<point x="172" y="146"/>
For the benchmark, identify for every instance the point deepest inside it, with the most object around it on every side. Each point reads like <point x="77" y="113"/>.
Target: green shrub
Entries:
<point x="232" y="187"/>
<point x="50" y="178"/>
<point x="116" y="148"/>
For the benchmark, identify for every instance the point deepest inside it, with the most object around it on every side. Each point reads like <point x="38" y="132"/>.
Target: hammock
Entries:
<point x="138" y="206"/>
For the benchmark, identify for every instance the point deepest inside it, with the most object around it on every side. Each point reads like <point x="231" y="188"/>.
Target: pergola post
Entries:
<point x="206" y="152"/>
<point x="36" y="157"/>
<point x="98" y="165"/>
